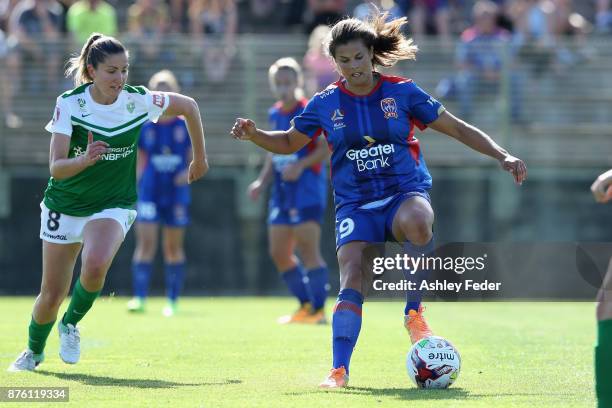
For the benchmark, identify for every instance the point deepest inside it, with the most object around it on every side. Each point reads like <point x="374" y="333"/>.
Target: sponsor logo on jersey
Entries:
<point x="78" y="151"/>
<point x="280" y="161"/>
<point x="389" y="107"/>
<point x="57" y="115"/>
<point x="371" y="158"/>
<point x="159" y="99"/>
<point x="338" y="119"/>
<point x="370" y="140"/>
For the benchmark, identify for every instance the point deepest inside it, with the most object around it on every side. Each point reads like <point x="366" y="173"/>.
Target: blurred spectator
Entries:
<point x="6" y="8"/>
<point x="179" y="15"/>
<point x="319" y="70"/>
<point x="373" y="7"/>
<point x="89" y="16"/>
<point x="326" y="12"/>
<point x="214" y="24"/>
<point x="148" y="24"/>
<point x="603" y="17"/>
<point x="480" y="59"/>
<point x="11" y="120"/>
<point x="534" y="32"/>
<point x="426" y="16"/>
<point x="66" y="4"/>
<point x="35" y="31"/>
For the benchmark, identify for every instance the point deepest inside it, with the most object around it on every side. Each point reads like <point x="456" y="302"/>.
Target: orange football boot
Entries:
<point x="298" y="316"/>
<point x="337" y="378"/>
<point x="416" y="325"/>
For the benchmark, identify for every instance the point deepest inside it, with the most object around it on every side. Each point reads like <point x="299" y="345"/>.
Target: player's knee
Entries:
<point x="416" y="227"/>
<point x="350" y="272"/>
<point x="173" y="252"/>
<point x="95" y="266"/>
<point x="279" y="255"/>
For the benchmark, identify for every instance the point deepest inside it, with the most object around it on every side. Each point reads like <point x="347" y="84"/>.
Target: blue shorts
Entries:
<point x="176" y="215"/>
<point x="372" y="222"/>
<point x="295" y="216"/>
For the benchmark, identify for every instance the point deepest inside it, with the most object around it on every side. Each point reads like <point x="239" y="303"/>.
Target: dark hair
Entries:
<point x="388" y="43"/>
<point x="96" y="49"/>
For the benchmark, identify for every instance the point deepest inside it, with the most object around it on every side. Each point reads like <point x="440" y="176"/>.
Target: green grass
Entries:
<point x="229" y="352"/>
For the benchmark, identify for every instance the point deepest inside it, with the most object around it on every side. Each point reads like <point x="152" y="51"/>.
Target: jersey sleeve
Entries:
<point x="308" y="121"/>
<point x="60" y="122"/>
<point x="156" y="103"/>
<point x="423" y="107"/>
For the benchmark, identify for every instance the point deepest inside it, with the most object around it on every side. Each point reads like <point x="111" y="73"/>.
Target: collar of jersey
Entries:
<point x="342" y="87"/>
<point x="99" y="106"/>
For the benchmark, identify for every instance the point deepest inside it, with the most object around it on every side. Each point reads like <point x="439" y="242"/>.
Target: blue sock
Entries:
<point x="318" y="283"/>
<point x="294" y="278"/>
<point x="346" y="324"/>
<point x="175" y="274"/>
<point x="141" y="276"/>
<point x="413" y="297"/>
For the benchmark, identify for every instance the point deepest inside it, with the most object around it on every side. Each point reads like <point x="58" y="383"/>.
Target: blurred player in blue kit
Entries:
<point x="164" y="152"/>
<point x="297" y="201"/>
<point x="379" y="176"/>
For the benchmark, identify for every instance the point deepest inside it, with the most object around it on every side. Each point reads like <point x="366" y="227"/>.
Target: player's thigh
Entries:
<point x="281" y="240"/>
<point x="413" y="221"/>
<point x="58" y="266"/>
<point x="102" y="238"/>
<point x="308" y="237"/>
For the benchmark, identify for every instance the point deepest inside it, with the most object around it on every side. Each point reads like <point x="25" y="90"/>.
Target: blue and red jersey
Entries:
<point x="374" y="152"/>
<point x="167" y="146"/>
<point x="310" y="190"/>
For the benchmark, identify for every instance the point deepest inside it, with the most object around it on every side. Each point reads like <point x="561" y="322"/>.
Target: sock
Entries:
<point x="37" y="335"/>
<point x="141" y="276"/>
<point x="80" y="303"/>
<point x="175" y="274"/>
<point x="603" y="362"/>
<point x="317" y="282"/>
<point x="413" y="297"/>
<point x="346" y="325"/>
<point x="294" y="278"/>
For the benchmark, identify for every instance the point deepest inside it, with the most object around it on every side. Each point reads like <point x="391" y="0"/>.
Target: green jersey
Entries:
<point x="111" y="182"/>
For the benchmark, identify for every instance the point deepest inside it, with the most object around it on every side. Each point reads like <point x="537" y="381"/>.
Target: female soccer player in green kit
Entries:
<point x="89" y="200"/>
<point x="602" y="190"/>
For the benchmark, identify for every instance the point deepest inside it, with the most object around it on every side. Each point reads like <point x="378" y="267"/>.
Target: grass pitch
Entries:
<point x="229" y="352"/>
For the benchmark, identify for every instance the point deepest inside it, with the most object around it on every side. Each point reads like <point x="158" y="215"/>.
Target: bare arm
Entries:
<point x="181" y="105"/>
<point x="478" y="140"/>
<point x="265" y="176"/>
<point x="61" y="167"/>
<point x="281" y="141"/>
<point x="294" y="171"/>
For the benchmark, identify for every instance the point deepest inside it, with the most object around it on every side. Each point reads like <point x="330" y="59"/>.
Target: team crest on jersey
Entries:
<point x="389" y="107"/>
<point x="130" y="106"/>
<point x="81" y="103"/>
<point x="338" y="119"/>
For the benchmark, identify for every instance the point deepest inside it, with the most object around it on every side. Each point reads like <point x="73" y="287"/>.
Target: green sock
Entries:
<point x="603" y="362"/>
<point x="80" y="303"/>
<point x="37" y="335"/>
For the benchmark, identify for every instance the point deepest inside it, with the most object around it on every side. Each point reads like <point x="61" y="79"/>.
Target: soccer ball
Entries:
<point x="433" y="362"/>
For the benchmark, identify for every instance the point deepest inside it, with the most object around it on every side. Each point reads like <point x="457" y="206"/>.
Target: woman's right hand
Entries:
<point x="244" y="129"/>
<point x="94" y="150"/>
<point x="254" y="190"/>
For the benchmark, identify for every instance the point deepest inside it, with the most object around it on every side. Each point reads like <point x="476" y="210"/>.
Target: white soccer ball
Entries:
<point x="433" y="362"/>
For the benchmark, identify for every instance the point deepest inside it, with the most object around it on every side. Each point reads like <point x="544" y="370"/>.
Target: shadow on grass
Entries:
<point x="98" y="380"/>
<point x="407" y="393"/>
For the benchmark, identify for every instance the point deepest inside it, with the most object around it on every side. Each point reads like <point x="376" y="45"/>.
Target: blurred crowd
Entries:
<point x="31" y="30"/>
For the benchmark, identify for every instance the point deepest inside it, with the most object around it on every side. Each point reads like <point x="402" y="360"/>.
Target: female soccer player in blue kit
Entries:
<point x="164" y="153"/>
<point x="297" y="202"/>
<point x="379" y="176"/>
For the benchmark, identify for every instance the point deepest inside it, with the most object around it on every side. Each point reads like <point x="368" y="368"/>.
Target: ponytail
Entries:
<point x="94" y="51"/>
<point x="386" y="38"/>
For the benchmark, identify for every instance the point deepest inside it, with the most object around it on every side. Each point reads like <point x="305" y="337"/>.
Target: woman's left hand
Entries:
<point x="516" y="167"/>
<point x="197" y="170"/>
